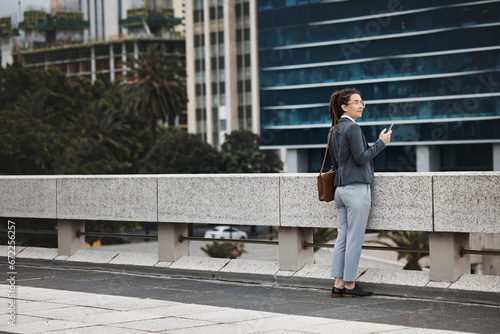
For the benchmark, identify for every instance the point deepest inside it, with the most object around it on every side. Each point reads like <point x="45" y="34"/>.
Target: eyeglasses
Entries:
<point x="357" y="103"/>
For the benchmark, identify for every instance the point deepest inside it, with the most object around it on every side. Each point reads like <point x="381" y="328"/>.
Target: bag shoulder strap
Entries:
<point x="326" y="151"/>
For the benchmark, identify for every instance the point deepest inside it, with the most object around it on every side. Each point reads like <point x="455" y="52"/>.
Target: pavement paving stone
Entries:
<point x="99" y="330"/>
<point x="164" y="324"/>
<point x="28" y="325"/>
<point x="413" y="319"/>
<point x="284" y="322"/>
<point x="252" y="267"/>
<point x="182" y="310"/>
<point x="92" y="256"/>
<point x="212" y="329"/>
<point x="228" y="315"/>
<point x="38" y="253"/>
<point x="353" y="327"/>
<point x="137" y="259"/>
<point x="80" y="314"/>
<point x="90" y="299"/>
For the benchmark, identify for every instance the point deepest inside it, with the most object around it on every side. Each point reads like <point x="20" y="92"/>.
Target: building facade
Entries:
<point x="104" y="17"/>
<point x="430" y="67"/>
<point x="222" y="68"/>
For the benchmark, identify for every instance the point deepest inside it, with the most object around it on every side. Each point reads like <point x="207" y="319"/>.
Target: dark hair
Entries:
<point x="336" y="101"/>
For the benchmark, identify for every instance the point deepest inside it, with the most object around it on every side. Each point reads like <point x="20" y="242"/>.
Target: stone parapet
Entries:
<point x="28" y="196"/>
<point x="467" y="202"/>
<point x="448" y="205"/>
<point x="400" y="201"/>
<point x="224" y="199"/>
<point x="121" y="198"/>
<point x="441" y="202"/>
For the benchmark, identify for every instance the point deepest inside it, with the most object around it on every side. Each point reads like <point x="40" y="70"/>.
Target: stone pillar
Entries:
<point x="208" y="73"/>
<point x="169" y="247"/>
<point x="67" y="241"/>
<point x="254" y="65"/>
<point x="428" y="158"/>
<point x="291" y="254"/>
<point x="298" y="161"/>
<point x="446" y="263"/>
<point x="496" y="157"/>
<point x="111" y="62"/>
<point x="93" y="67"/>
<point x="124" y="61"/>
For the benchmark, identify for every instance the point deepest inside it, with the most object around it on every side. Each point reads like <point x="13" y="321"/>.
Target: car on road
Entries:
<point x="226" y="232"/>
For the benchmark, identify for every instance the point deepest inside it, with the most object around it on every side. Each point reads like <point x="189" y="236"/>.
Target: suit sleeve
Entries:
<point x="360" y="152"/>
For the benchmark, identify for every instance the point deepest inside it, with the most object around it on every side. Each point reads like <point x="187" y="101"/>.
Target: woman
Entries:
<point x="353" y="160"/>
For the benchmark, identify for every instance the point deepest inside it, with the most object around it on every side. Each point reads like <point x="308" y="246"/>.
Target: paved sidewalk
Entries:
<point x="58" y="311"/>
<point x="55" y="300"/>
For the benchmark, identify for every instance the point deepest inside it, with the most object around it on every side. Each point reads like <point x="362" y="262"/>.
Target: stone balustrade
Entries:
<point x="448" y="205"/>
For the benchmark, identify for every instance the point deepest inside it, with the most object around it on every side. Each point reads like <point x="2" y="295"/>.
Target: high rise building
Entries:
<point x="222" y="68"/>
<point x="6" y="40"/>
<point x="430" y="67"/>
<point x="104" y="17"/>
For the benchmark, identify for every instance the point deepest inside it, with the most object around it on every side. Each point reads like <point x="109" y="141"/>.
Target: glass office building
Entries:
<point x="430" y="67"/>
<point x="222" y="68"/>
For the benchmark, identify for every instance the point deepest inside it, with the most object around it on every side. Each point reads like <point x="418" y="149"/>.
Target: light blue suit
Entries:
<point x="353" y="160"/>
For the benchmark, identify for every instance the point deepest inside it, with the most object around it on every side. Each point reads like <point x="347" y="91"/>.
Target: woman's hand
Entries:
<point x="385" y="137"/>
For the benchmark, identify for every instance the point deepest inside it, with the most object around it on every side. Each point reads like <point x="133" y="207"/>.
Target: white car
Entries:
<point x="226" y="232"/>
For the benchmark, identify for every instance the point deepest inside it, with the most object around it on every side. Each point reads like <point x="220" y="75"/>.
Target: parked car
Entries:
<point x="226" y="232"/>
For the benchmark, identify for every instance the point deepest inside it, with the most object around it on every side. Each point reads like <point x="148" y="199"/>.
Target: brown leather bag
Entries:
<point x="326" y="187"/>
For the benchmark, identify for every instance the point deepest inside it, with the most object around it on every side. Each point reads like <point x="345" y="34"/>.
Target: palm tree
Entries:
<point x="160" y="78"/>
<point x="411" y="239"/>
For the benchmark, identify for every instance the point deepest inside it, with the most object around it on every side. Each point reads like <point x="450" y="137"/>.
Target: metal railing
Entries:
<point x="384" y="248"/>
<point x="181" y="238"/>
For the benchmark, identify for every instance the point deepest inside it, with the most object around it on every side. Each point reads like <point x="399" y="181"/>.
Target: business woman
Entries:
<point x="353" y="160"/>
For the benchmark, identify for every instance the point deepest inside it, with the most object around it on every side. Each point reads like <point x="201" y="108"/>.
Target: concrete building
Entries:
<point x="222" y="68"/>
<point x="6" y="40"/>
<point x="57" y="39"/>
<point x="104" y="16"/>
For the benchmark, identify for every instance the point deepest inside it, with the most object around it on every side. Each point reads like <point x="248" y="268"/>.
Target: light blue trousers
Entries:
<point x="353" y="203"/>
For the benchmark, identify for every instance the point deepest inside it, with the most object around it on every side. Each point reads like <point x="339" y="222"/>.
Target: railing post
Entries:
<point x="292" y="256"/>
<point x="446" y="263"/>
<point x="67" y="241"/>
<point x="169" y="247"/>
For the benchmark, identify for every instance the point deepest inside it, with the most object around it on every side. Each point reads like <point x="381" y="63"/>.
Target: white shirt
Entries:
<point x="347" y="116"/>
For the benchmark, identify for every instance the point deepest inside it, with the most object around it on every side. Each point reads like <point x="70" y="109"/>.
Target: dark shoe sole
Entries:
<point x="355" y="296"/>
<point x="337" y="295"/>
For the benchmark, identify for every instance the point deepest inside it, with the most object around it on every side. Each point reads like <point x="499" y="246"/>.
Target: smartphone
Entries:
<point x="390" y="127"/>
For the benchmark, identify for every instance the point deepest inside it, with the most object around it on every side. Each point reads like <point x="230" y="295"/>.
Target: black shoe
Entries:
<point x="356" y="292"/>
<point x="336" y="292"/>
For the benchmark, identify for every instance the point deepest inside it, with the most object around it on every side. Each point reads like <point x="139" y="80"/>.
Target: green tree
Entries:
<point x="161" y="77"/>
<point x="244" y="143"/>
<point x="68" y="127"/>
<point x="180" y="153"/>
<point x="27" y="145"/>
<point x="413" y="239"/>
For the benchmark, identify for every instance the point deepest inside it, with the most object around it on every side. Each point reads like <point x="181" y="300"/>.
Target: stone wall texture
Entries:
<point x="440" y="202"/>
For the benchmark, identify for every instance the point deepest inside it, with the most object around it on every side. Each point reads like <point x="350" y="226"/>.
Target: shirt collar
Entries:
<point x="347" y="116"/>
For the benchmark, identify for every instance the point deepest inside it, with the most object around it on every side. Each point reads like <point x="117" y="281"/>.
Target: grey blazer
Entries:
<point x="352" y="156"/>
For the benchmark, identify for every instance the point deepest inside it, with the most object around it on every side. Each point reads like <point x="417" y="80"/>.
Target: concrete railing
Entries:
<point x="448" y="205"/>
